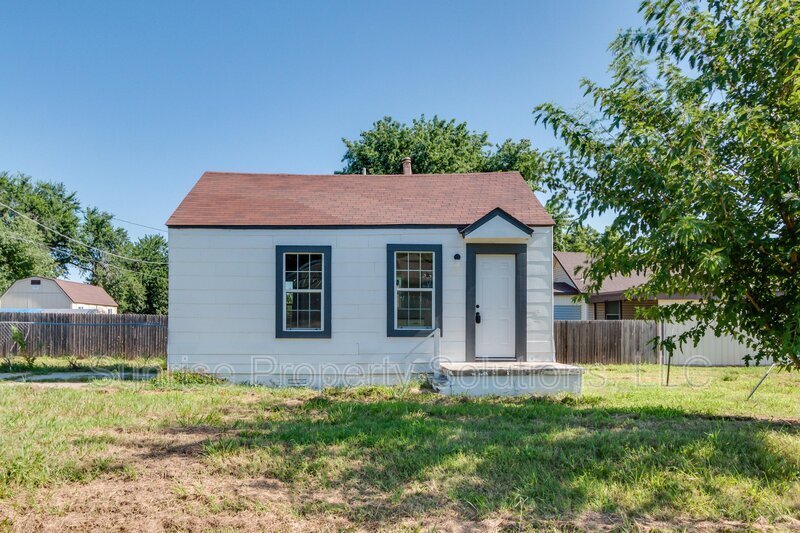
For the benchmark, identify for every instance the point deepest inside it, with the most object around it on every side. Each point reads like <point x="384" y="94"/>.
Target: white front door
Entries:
<point x="494" y="300"/>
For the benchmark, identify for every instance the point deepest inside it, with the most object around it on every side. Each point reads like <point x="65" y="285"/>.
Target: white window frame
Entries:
<point x="618" y="314"/>
<point x="320" y="291"/>
<point x="432" y="291"/>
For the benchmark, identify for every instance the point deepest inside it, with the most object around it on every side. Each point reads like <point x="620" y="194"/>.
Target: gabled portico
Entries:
<point x="497" y="227"/>
<point x="496" y="278"/>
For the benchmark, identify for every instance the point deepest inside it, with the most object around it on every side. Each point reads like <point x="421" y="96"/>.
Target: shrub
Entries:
<point x="21" y="343"/>
<point x="184" y="377"/>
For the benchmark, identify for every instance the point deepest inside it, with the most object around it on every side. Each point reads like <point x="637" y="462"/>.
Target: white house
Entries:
<point x="339" y="279"/>
<point x="54" y="295"/>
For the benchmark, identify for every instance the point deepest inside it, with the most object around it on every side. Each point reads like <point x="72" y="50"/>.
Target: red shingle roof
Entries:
<point x="225" y="199"/>
<point x="82" y="293"/>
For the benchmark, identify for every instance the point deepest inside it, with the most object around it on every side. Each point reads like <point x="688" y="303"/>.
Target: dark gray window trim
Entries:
<point x="521" y="300"/>
<point x="280" y="333"/>
<point x="497" y="212"/>
<point x="391" y="331"/>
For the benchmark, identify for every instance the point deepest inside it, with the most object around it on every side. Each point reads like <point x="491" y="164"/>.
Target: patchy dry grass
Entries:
<point x="102" y="365"/>
<point x="627" y="454"/>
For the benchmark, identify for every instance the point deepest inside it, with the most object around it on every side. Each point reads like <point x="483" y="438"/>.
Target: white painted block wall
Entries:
<point x="222" y="304"/>
<point x="710" y="351"/>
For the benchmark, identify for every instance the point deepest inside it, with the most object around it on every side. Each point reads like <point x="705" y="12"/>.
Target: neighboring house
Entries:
<point x="54" y="295"/>
<point x="567" y="285"/>
<point x="609" y="303"/>
<point x="345" y="275"/>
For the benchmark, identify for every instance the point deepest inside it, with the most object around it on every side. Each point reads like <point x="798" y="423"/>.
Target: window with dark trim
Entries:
<point x="413" y="289"/>
<point x="613" y="310"/>
<point x="303" y="292"/>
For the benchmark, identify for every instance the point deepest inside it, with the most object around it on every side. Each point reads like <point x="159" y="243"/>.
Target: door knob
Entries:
<point x="478" y="317"/>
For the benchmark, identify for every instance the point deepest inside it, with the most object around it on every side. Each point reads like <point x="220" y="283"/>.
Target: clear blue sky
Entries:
<point x="128" y="103"/>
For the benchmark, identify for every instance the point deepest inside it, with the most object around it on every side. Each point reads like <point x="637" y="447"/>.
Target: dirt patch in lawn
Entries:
<point x="159" y="482"/>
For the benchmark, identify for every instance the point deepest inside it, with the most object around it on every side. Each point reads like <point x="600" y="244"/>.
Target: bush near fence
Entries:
<point x="85" y="335"/>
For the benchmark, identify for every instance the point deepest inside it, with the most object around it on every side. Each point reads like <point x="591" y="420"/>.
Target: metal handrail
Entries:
<point x="437" y="339"/>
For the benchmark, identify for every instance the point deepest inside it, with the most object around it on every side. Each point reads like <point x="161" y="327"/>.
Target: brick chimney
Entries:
<point x="407" y="166"/>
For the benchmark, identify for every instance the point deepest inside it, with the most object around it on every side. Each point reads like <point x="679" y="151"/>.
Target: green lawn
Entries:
<point x="627" y="453"/>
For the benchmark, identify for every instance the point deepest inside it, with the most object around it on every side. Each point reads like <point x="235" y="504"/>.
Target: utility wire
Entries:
<point x="81" y="242"/>
<point x="140" y="225"/>
<point x="75" y="256"/>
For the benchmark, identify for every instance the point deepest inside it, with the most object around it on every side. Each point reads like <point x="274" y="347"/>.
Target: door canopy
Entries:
<point x="497" y="226"/>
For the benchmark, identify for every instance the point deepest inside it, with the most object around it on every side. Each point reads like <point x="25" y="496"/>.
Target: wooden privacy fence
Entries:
<point x="86" y="335"/>
<point x="605" y="341"/>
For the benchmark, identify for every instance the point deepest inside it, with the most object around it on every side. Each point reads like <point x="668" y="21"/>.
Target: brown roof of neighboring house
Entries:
<point x="229" y="199"/>
<point x="620" y="284"/>
<point x="613" y="285"/>
<point x="571" y="261"/>
<point x="82" y="293"/>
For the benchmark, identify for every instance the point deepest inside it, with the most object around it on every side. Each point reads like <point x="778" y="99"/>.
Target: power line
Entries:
<point x="81" y="242"/>
<point x="140" y="225"/>
<point x="76" y="256"/>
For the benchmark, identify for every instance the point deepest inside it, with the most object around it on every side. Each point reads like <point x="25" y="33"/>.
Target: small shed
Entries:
<point x="53" y="295"/>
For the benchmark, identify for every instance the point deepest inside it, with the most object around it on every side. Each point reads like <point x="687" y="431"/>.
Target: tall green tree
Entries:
<point x="152" y="250"/>
<point x="438" y="146"/>
<point x="48" y="203"/>
<point x="99" y="235"/>
<point x="133" y="273"/>
<point x="43" y="232"/>
<point x="695" y="145"/>
<point x="569" y="234"/>
<point x="435" y="146"/>
<point x="23" y="251"/>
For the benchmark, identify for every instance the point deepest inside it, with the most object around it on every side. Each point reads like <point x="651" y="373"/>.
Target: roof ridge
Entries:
<point x="359" y="175"/>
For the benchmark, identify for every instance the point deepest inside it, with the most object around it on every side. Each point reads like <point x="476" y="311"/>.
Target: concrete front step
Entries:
<point x="509" y="378"/>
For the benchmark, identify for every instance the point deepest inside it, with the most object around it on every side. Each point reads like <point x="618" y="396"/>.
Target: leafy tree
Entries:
<point x="152" y="274"/>
<point x="520" y="156"/>
<point x="569" y="235"/>
<point x="23" y="252"/>
<point x="135" y="274"/>
<point x="48" y="203"/>
<point x="437" y="146"/>
<point x="125" y="286"/>
<point x="434" y="146"/>
<point x="99" y="235"/>
<point x="695" y="144"/>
